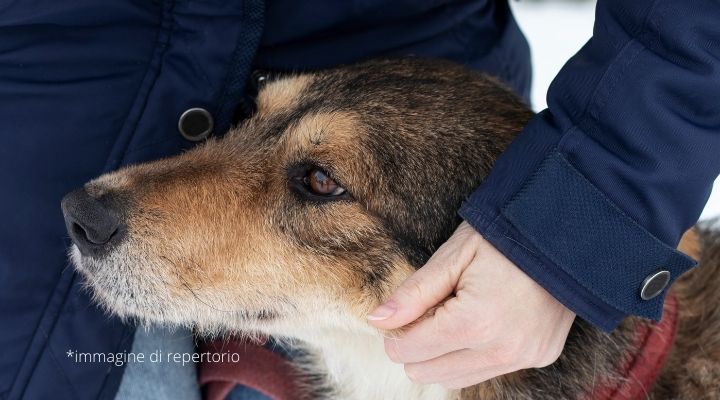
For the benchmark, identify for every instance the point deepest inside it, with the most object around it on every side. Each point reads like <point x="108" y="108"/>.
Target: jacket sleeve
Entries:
<point x="592" y="197"/>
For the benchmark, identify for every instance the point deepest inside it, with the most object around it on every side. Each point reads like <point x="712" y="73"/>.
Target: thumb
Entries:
<point x="424" y="289"/>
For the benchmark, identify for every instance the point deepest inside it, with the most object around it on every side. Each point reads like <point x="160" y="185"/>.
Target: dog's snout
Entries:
<point x="93" y="226"/>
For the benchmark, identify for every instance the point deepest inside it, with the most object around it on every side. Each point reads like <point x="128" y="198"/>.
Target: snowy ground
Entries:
<point x="556" y="29"/>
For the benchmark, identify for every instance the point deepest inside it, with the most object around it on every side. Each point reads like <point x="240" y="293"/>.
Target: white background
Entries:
<point x="556" y="29"/>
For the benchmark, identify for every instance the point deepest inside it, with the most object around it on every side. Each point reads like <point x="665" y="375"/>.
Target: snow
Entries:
<point x="557" y="29"/>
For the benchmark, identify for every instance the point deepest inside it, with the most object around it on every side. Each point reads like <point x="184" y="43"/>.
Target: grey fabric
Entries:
<point x="162" y="379"/>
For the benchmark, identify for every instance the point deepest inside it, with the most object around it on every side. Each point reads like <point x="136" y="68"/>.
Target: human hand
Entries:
<point x="498" y="321"/>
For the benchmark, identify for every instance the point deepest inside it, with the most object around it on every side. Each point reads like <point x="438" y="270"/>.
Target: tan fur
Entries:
<point x="690" y="244"/>
<point x="219" y="239"/>
<point x="280" y="95"/>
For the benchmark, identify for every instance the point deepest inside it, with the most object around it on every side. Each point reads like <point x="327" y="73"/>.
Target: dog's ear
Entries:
<point x="257" y="80"/>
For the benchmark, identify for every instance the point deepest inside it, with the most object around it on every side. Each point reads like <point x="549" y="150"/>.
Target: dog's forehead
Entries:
<point x="326" y="127"/>
<point x="341" y="110"/>
<point x="352" y="87"/>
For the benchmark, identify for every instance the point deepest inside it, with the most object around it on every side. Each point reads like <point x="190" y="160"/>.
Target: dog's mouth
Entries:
<point x="150" y="300"/>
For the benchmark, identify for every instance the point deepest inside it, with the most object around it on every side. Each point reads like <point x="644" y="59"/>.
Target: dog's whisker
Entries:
<point x="295" y="224"/>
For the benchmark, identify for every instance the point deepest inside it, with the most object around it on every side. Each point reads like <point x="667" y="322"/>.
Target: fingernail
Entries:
<point x="384" y="311"/>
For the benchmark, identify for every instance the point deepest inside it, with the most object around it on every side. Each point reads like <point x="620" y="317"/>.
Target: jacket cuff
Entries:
<point x="561" y="230"/>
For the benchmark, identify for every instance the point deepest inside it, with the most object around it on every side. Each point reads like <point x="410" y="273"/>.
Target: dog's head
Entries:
<point x="309" y="213"/>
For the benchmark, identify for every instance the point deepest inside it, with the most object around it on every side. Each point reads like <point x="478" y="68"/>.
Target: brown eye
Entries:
<point x="321" y="184"/>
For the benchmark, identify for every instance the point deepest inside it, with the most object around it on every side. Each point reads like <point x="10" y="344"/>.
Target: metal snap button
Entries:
<point x="195" y="124"/>
<point x="654" y="284"/>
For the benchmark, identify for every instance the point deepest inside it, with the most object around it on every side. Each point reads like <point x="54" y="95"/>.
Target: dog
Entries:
<point x="302" y="219"/>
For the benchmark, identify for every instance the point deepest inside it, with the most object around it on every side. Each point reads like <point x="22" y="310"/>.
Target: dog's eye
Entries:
<point x="313" y="183"/>
<point x="319" y="183"/>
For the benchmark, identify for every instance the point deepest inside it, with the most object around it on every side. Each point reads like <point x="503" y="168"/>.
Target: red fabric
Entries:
<point x="257" y="368"/>
<point x="270" y="374"/>
<point x="642" y="368"/>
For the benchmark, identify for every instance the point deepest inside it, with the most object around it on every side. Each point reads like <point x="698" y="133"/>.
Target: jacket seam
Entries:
<point x="161" y="46"/>
<point x="226" y="94"/>
<point x="157" y="55"/>
<point x="46" y="335"/>
<point x="54" y="359"/>
<point x="590" y="115"/>
<point x="165" y="33"/>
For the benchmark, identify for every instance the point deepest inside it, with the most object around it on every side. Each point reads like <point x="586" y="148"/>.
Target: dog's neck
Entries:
<point x="358" y="368"/>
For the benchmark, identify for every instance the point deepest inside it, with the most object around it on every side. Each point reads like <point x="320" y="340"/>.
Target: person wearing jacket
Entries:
<point x="579" y="216"/>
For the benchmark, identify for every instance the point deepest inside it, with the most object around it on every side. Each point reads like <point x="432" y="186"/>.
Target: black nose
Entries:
<point x="92" y="225"/>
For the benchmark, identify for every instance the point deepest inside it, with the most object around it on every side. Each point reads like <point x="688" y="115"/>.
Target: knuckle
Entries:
<point x="510" y="357"/>
<point x="417" y="374"/>
<point x="496" y="357"/>
<point x="549" y="357"/>
<point x="468" y="334"/>
<point x="450" y="386"/>
<point x="526" y="356"/>
<point x="461" y="383"/>
<point x="392" y="350"/>
<point x="455" y="385"/>
<point x="462" y="327"/>
<point x="412" y="288"/>
<point x="510" y="354"/>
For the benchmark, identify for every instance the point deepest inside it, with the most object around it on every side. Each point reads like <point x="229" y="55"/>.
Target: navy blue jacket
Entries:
<point x="615" y="171"/>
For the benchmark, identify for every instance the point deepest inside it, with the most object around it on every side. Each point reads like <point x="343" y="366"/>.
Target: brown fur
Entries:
<point x="693" y="369"/>
<point x="220" y="239"/>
